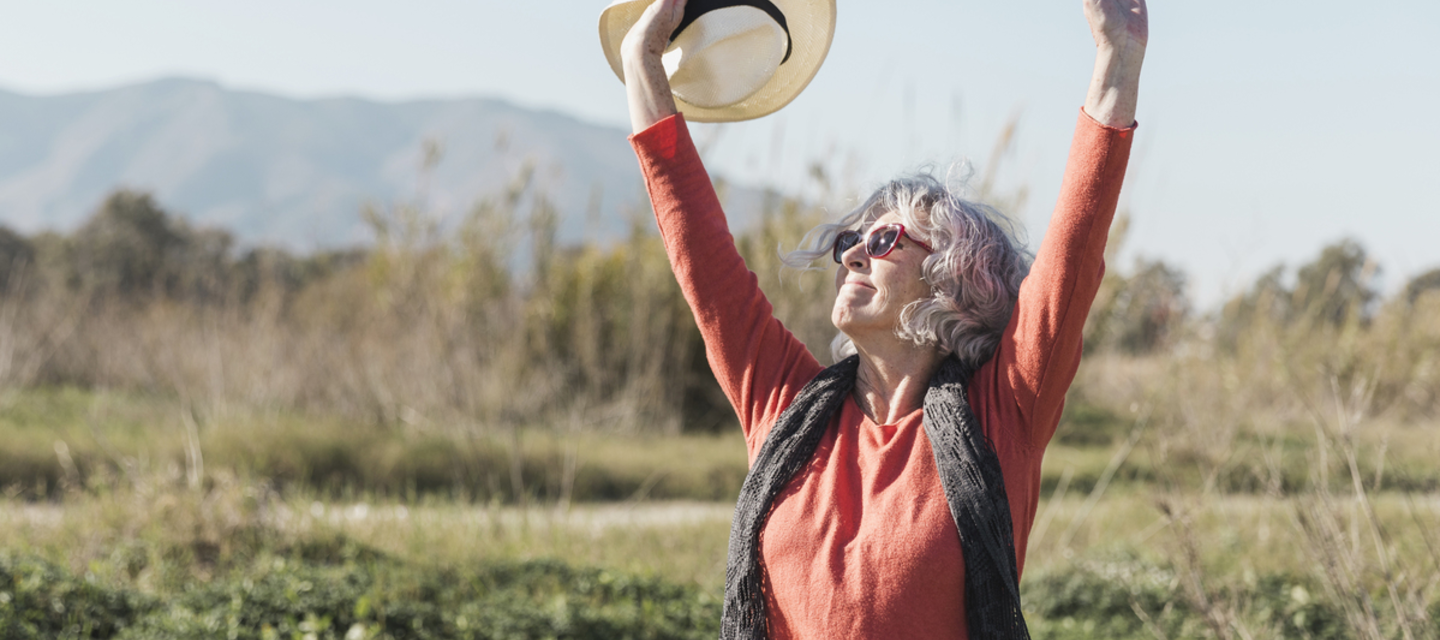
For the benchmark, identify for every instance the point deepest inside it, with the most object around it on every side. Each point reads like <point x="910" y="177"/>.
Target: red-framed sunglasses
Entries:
<point x="878" y="243"/>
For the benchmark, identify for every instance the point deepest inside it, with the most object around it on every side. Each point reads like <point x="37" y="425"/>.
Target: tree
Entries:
<point x="131" y="247"/>
<point x="1267" y="300"/>
<point x="121" y="248"/>
<point x="16" y="256"/>
<point x="1142" y="310"/>
<point x="1421" y="285"/>
<point x="1337" y="286"/>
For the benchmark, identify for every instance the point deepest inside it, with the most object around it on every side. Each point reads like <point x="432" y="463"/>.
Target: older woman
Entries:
<point x="892" y="494"/>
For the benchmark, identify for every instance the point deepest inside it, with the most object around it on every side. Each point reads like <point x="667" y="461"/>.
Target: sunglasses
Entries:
<point x="878" y="243"/>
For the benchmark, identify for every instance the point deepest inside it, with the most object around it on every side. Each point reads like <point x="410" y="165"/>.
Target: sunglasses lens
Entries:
<point x="843" y="242"/>
<point x="881" y="240"/>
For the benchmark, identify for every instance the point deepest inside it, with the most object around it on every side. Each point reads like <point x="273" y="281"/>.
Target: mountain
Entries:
<point x="276" y="170"/>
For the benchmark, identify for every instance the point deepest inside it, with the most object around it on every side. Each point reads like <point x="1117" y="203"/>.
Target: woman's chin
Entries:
<point x="851" y="323"/>
<point x="842" y="315"/>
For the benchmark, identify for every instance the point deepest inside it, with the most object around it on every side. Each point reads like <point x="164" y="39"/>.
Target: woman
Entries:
<point x="901" y="482"/>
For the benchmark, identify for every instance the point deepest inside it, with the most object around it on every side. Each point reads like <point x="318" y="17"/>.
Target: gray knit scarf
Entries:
<point x="969" y="472"/>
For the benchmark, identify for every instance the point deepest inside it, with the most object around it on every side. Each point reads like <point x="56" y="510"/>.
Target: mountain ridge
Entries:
<point x="296" y="172"/>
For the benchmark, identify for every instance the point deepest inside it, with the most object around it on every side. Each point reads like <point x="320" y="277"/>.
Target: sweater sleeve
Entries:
<point x="760" y="365"/>
<point x="1039" y="352"/>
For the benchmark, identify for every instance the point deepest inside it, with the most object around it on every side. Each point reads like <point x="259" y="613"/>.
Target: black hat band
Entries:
<point x="696" y="8"/>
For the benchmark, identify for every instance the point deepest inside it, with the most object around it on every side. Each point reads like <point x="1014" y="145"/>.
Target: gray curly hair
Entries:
<point x="974" y="272"/>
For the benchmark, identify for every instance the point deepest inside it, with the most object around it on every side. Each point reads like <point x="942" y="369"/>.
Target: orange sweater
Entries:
<point x="861" y="544"/>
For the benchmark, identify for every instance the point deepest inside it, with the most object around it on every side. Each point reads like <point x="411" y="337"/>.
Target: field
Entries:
<point x="1111" y="539"/>
<point x="425" y="440"/>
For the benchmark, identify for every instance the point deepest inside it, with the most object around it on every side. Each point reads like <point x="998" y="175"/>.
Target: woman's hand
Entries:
<point x="1121" y="29"/>
<point x="646" y="86"/>
<point x="1118" y="23"/>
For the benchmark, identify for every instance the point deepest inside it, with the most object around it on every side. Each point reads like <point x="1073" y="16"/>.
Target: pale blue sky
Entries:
<point x="1267" y="128"/>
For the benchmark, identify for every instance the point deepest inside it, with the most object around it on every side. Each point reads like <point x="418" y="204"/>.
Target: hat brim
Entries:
<point x="811" y="24"/>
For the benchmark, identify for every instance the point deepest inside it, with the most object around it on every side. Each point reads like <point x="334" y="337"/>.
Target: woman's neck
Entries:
<point x="893" y="377"/>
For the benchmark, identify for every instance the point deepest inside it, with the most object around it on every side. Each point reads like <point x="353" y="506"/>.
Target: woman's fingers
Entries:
<point x="672" y="12"/>
<point x="1121" y="30"/>
<point x="1118" y="23"/>
<point x="651" y="33"/>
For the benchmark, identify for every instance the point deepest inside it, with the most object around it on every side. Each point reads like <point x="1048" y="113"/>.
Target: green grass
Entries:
<point x="1270" y="456"/>
<point x="548" y="532"/>
<point x="107" y="435"/>
<point x="169" y="562"/>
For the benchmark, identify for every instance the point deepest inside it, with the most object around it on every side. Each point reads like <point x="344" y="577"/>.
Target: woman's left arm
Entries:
<point x="1040" y="350"/>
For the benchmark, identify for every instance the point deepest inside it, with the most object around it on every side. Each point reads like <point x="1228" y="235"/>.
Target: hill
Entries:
<point x="276" y="170"/>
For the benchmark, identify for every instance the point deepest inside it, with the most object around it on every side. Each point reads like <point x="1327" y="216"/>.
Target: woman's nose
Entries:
<point x="855" y="257"/>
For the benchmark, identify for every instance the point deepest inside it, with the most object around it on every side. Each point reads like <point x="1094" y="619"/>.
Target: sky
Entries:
<point x="1267" y="129"/>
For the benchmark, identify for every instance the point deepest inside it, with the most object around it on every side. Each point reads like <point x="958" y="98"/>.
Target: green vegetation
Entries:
<point x="63" y="439"/>
<point x="355" y="596"/>
<point x="434" y="442"/>
<point x="167" y="561"/>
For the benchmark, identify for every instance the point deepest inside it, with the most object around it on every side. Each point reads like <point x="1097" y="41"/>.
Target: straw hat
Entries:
<point x="733" y="59"/>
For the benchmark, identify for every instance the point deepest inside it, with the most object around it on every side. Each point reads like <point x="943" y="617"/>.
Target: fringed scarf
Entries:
<point x="969" y="472"/>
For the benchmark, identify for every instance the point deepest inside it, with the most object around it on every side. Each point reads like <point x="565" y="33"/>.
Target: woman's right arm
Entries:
<point x="758" y="363"/>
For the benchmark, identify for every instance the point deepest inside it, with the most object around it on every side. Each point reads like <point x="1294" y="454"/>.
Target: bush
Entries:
<point x="1104" y="599"/>
<point x="1099" y="600"/>
<point x="41" y="601"/>
<point x="336" y="589"/>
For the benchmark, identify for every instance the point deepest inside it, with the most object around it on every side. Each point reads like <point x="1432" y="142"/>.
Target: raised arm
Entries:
<point x="1040" y="350"/>
<point x="757" y="362"/>
<point x="1121" y="29"/>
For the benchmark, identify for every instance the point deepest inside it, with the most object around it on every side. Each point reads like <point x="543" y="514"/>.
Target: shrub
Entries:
<point x="1106" y="599"/>
<point x="39" y="600"/>
<point x="336" y="590"/>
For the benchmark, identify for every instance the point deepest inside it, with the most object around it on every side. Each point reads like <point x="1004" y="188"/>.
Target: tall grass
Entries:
<point x="1321" y="407"/>
<point x="422" y="329"/>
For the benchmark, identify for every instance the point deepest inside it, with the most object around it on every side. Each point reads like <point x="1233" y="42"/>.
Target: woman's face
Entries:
<point x="871" y="292"/>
